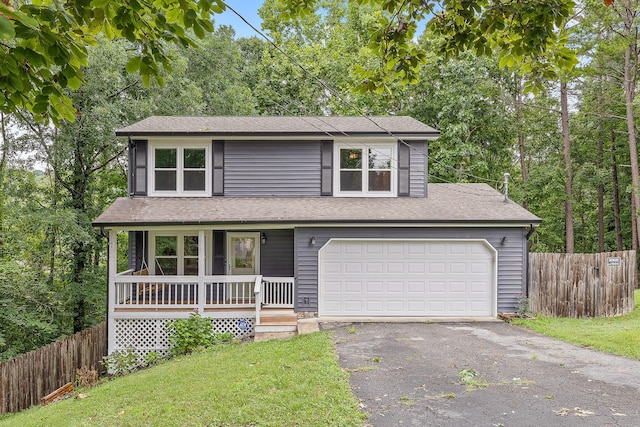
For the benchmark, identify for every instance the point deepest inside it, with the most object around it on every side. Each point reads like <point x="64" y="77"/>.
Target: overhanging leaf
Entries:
<point x="7" y="32"/>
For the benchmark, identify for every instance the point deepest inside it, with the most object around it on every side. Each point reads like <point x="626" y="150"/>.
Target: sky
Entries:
<point x="246" y="8"/>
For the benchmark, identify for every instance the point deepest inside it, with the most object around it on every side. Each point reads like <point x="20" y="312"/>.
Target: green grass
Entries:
<point x="616" y="335"/>
<point x="295" y="382"/>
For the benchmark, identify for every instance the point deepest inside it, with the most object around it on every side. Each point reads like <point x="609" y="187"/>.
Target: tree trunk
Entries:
<point x="568" y="182"/>
<point x="629" y="92"/>
<point x="616" y="193"/>
<point x="523" y="162"/>
<point x="3" y="164"/>
<point x="600" y="162"/>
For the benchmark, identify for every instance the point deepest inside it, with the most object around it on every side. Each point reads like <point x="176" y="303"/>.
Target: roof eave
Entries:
<point x="519" y="222"/>
<point x="411" y="135"/>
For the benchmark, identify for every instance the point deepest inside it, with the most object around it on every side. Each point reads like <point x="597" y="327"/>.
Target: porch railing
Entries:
<point x="206" y="292"/>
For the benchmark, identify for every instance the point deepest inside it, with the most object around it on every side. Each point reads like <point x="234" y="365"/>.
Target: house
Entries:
<point x="255" y="221"/>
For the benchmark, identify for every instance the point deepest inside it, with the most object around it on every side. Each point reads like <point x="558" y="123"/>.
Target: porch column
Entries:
<point x="202" y="294"/>
<point x="111" y="287"/>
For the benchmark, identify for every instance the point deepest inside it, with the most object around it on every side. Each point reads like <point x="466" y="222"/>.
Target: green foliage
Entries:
<point x="152" y="358"/>
<point x="616" y="335"/>
<point x="193" y="334"/>
<point x="122" y="362"/>
<point x="522" y="305"/>
<point x="28" y="309"/>
<point x="295" y="382"/>
<point x="527" y="34"/>
<point x="45" y="45"/>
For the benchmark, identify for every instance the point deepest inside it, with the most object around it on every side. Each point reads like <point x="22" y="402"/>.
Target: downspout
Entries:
<point x="526" y="242"/>
<point x="530" y="232"/>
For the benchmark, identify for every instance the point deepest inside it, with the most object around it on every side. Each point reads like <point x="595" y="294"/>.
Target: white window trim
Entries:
<point x="365" y="145"/>
<point x="180" y="147"/>
<point x="180" y="250"/>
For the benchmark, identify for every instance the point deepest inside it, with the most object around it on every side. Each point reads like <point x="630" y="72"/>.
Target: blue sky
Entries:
<point x="249" y="10"/>
<point x="246" y="8"/>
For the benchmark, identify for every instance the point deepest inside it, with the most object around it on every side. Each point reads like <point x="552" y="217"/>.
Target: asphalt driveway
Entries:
<point x="410" y="374"/>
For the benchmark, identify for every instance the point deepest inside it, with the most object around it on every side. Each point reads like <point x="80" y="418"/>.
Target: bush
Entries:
<point x="121" y="362"/>
<point x="193" y="334"/>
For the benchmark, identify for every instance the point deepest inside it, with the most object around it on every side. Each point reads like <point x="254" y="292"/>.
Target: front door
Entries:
<point x="243" y="253"/>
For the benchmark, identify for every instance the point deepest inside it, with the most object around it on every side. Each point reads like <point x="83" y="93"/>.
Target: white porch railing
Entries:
<point x="206" y="292"/>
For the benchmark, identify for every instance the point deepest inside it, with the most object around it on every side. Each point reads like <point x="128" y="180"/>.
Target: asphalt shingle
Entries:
<point x="334" y="126"/>
<point x="446" y="203"/>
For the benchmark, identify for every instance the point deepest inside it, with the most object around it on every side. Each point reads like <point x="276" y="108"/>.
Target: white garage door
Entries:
<point x="407" y="278"/>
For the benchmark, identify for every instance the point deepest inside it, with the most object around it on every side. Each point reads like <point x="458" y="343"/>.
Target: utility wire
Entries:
<point x="336" y="93"/>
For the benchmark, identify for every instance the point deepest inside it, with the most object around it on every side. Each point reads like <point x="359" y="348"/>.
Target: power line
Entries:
<point x="336" y="93"/>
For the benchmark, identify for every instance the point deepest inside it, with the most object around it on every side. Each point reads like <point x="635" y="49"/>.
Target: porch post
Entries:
<point x="111" y="292"/>
<point x="202" y="294"/>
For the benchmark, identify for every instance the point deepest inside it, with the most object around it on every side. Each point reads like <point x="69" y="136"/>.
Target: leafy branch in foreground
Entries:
<point x="525" y="33"/>
<point x="43" y="45"/>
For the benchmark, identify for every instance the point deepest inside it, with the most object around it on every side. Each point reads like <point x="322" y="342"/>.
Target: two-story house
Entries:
<point x="256" y="220"/>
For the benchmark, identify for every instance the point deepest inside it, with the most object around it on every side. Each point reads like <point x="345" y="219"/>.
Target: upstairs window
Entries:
<point x="180" y="170"/>
<point x="365" y="169"/>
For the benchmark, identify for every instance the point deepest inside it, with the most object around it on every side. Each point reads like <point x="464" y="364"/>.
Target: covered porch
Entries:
<point x="174" y="272"/>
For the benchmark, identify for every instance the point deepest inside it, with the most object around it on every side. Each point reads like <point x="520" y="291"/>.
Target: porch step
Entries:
<point x="278" y="319"/>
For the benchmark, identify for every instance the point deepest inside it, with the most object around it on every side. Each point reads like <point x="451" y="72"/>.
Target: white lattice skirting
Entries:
<point x="147" y="335"/>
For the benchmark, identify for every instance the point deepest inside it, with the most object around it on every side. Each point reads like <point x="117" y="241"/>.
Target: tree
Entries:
<point x="524" y="33"/>
<point x="43" y="45"/>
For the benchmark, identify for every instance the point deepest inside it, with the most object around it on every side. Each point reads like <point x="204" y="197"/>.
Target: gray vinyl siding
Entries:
<point x="272" y="168"/>
<point x="512" y="256"/>
<point x="276" y="256"/>
<point x="418" y="169"/>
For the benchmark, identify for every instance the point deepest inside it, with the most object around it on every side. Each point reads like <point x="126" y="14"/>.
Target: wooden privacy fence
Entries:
<point x="582" y="285"/>
<point x="31" y="376"/>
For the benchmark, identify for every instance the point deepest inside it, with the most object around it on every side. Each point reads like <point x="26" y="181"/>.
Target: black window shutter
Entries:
<point x="404" y="169"/>
<point x="218" y="168"/>
<point x="326" y="179"/>
<point x="138" y="168"/>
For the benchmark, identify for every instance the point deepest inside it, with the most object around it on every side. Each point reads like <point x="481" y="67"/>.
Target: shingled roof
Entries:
<point x="447" y="203"/>
<point x="334" y="126"/>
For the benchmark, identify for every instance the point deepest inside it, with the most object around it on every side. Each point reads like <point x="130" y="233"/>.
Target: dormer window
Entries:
<point x="365" y="169"/>
<point x="180" y="170"/>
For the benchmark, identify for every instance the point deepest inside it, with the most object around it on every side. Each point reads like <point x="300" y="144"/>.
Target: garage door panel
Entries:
<point x="353" y="287"/>
<point x="458" y="287"/>
<point x="375" y="287"/>
<point x="415" y="267"/>
<point x="416" y="287"/>
<point x="374" y="267"/>
<point x="395" y="306"/>
<point x="395" y="267"/>
<point x="417" y="278"/>
<point x="395" y="286"/>
<point x="457" y="267"/>
<point x="436" y="267"/>
<point x="353" y="268"/>
<point x="436" y="287"/>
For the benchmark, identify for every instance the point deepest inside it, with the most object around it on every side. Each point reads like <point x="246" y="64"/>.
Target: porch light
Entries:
<point x="312" y="240"/>
<point x="263" y="239"/>
<point x="504" y="240"/>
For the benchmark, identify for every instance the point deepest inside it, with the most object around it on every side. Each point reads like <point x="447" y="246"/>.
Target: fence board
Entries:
<point x="582" y="285"/>
<point x="25" y="379"/>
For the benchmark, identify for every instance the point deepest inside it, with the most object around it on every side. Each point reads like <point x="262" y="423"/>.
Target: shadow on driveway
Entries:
<point x="411" y="374"/>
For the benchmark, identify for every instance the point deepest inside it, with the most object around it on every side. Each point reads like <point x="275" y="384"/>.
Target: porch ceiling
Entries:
<point x="447" y="203"/>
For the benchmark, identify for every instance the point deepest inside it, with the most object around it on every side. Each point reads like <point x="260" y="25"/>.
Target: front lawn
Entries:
<point x="295" y="382"/>
<point x="615" y="335"/>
